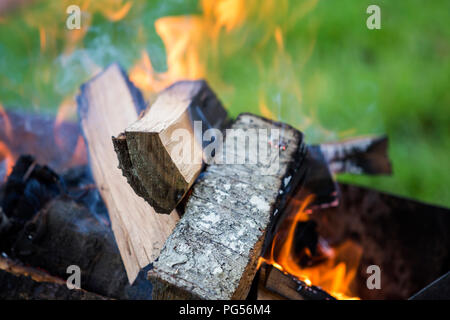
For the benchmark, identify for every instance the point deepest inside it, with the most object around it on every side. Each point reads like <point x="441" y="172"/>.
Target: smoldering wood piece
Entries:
<point x="107" y="104"/>
<point x="367" y="155"/>
<point x="149" y="149"/>
<point x="213" y="251"/>
<point x="258" y="289"/>
<point x="24" y="283"/>
<point x="291" y="288"/>
<point x="65" y="233"/>
<point x="407" y="239"/>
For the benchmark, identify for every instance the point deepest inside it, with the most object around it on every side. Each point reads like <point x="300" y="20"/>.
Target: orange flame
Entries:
<point x="335" y="275"/>
<point x="189" y="43"/>
<point x="79" y="156"/>
<point x="7" y="156"/>
<point x="42" y="38"/>
<point x="181" y="37"/>
<point x="7" y="128"/>
<point x="118" y="14"/>
<point x="66" y="112"/>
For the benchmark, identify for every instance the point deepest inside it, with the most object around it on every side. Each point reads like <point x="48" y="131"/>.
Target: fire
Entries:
<point x="182" y="37"/>
<point x="6" y="154"/>
<point x="334" y="275"/>
<point x="67" y="112"/>
<point x="190" y="43"/>
<point x="43" y="38"/>
<point x="119" y="14"/>
<point x="7" y="128"/>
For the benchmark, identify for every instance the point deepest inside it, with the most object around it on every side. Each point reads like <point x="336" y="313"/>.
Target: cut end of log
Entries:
<point x="145" y="150"/>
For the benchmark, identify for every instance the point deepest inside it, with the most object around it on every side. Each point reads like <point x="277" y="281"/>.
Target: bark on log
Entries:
<point x="25" y="283"/>
<point x="213" y="251"/>
<point x="147" y="150"/>
<point x="107" y="104"/>
<point x="64" y="233"/>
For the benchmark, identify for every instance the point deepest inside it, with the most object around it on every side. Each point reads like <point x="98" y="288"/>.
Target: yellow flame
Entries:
<point x="116" y="15"/>
<point x="43" y="38"/>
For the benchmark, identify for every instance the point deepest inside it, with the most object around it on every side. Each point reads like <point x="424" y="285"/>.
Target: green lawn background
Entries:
<point x="334" y="79"/>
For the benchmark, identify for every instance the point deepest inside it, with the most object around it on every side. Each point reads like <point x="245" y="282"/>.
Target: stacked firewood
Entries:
<point x="197" y="227"/>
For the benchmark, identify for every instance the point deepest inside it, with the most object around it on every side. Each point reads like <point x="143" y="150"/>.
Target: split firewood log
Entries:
<point x="148" y="149"/>
<point x="107" y="104"/>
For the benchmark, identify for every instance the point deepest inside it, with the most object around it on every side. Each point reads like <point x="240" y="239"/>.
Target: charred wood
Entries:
<point x="65" y="233"/>
<point x="25" y="283"/>
<point x="290" y="287"/>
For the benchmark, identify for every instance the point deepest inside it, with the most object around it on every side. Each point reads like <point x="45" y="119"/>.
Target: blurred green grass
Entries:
<point x="352" y="80"/>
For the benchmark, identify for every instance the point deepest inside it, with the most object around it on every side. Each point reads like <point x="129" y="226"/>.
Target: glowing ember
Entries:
<point x="334" y="275"/>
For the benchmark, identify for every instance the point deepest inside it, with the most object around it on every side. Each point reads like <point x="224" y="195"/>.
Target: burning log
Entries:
<point x="107" y="104"/>
<point x="366" y="155"/>
<point x="145" y="150"/>
<point x="213" y="251"/>
<point x="25" y="283"/>
<point x="290" y="287"/>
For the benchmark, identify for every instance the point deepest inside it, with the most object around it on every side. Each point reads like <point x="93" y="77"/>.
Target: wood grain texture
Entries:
<point x="107" y="104"/>
<point x="213" y="251"/>
<point x="148" y="150"/>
